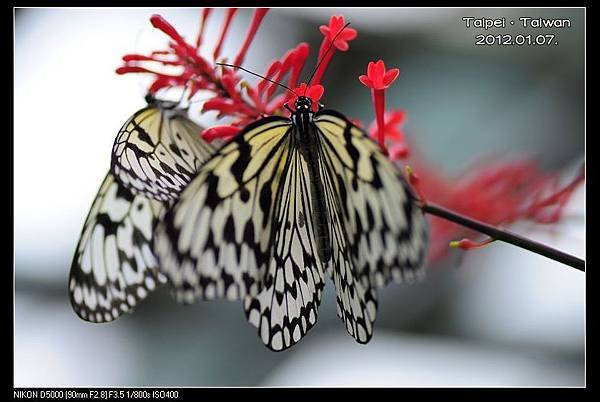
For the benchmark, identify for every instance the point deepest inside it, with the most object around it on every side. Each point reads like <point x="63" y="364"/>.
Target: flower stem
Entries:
<point x="379" y="102"/>
<point x="505" y="236"/>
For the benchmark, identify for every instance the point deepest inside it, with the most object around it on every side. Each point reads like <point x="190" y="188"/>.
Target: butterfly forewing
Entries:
<point x="387" y="232"/>
<point x="114" y="267"/>
<point x="378" y="233"/>
<point x="217" y="239"/>
<point x="157" y="152"/>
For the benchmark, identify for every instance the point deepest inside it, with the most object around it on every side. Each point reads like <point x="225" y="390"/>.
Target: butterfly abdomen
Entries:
<point x="320" y="223"/>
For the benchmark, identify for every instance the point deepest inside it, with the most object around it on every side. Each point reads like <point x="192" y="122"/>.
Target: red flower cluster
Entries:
<point x="496" y="194"/>
<point x="232" y="96"/>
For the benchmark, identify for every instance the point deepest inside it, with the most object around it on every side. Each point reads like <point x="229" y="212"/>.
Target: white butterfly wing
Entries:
<point x="379" y="234"/>
<point x="114" y="267"/>
<point x="157" y="152"/>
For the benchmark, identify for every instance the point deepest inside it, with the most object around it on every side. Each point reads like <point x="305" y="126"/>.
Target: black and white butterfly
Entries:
<point x="158" y="151"/>
<point x="114" y="266"/>
<point x="285" y="203"/>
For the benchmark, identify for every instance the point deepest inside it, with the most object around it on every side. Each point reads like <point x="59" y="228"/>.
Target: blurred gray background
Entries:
<point x="492" y="317"/>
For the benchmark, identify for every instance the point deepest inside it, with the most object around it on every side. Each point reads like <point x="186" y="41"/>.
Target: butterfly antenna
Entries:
<point x="185" y="88"/>
<point x="258" y="75"/>
<point x="324" y="55"/>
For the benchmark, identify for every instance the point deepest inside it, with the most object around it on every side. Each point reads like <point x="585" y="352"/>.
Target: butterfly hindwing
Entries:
<point x="157" y="152"/>
<point x="286" y="308"/>
<point x="114" y="267"/>
<point x="384" y="233"/>
<point x="356" y="302"/>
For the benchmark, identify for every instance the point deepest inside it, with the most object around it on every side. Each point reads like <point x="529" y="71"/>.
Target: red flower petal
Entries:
<point x="390" y="76"/>
<point x="332" y="32"/>
<point x="224" y="29"/>
<point x="366" y="81"/>
<point x="348" y="34"/>
<point x="341" y="45"/>
<point x="378" y="77"/>
<point x="315" y="92"/>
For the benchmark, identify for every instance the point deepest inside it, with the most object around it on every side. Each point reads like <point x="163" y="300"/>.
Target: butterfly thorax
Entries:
<point x="307" y="135"/>
<point x="302" y="118"/>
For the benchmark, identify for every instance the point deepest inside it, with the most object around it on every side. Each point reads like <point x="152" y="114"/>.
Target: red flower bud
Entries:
<point x="467" y="244"/>
<point x="162" y="24"/>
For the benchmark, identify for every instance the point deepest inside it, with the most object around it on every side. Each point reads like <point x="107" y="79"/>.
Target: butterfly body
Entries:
<point x="307" y="136"/>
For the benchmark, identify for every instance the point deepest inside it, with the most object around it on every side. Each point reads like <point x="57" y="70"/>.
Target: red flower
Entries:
<point x="233" y="97"/>
<point x="336" y="24"/>
<point x="314" y="92"/>
<point x="379" y="80"/>
<point x="340" y="35"/>
<point x="377" y="77"/>
<point x="495" y="193"/>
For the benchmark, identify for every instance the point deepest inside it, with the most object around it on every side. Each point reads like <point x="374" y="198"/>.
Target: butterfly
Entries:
<point x="285" y="203"/>
<point x="114" y="266"/>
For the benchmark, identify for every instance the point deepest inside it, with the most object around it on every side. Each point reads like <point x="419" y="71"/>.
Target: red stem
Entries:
<point x="505" y="236"/>
<point x="259" y="14"/>
<point x="205" y="13"/>
<point x="323" y="64"/>
<point x="228" y="17"/>
<point x="379" y="102"/>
